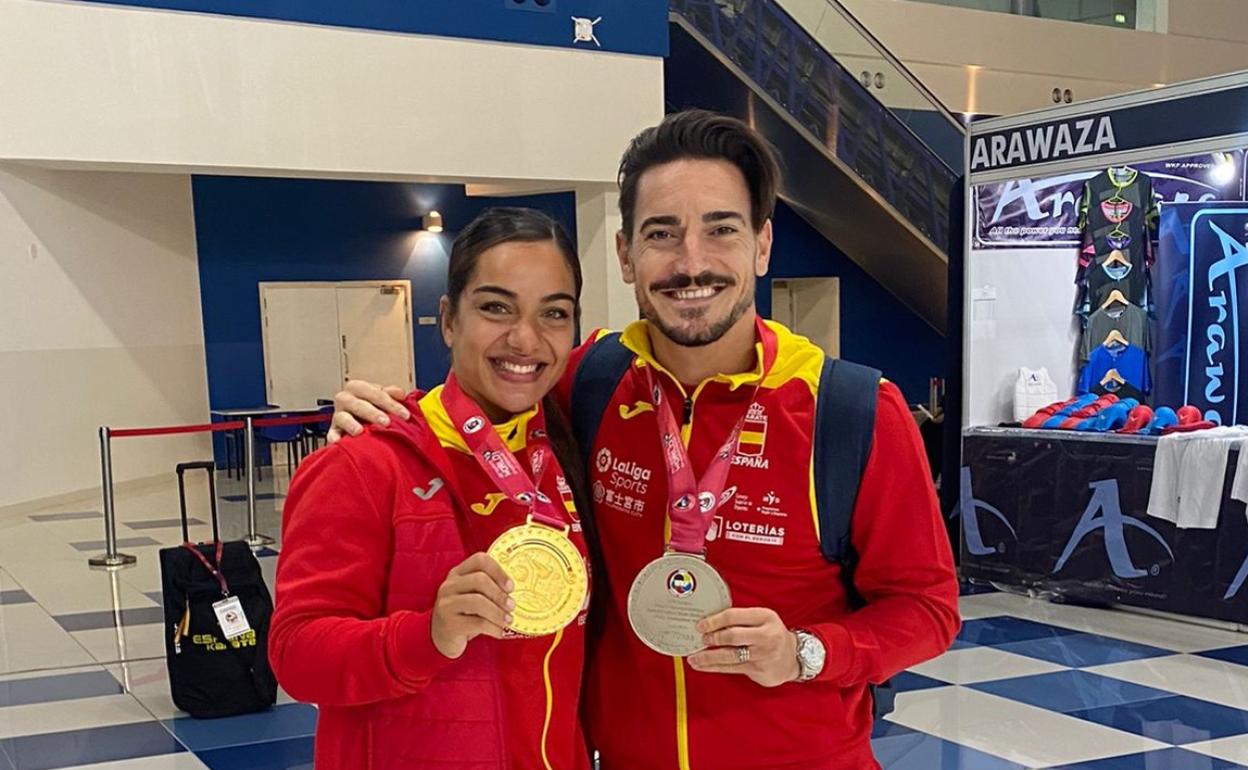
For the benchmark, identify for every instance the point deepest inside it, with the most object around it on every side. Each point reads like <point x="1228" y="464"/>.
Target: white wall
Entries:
<point x="100" y="85"/>
<point x="1000" y="64"/>
<point x="607" y="302"/>
<point x="100" y="324"/>
<point x="1217" y="19"/>
<point x="1029" y="323"/>
<point x="99" y="301"/>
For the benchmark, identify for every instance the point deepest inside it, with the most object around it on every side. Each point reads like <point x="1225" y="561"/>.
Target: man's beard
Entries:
<point x="686" y="337"/>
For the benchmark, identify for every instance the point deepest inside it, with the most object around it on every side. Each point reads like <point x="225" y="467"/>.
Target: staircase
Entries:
<point x="862" y="172"/>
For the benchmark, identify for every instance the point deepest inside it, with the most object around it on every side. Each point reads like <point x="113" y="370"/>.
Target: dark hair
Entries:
<point x="504" y="224"/>
<point x="706" y="135"/>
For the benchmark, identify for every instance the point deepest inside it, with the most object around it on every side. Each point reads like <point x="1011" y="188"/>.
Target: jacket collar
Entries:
<point x="513" y="432"/>
<point x="636" y="337"/>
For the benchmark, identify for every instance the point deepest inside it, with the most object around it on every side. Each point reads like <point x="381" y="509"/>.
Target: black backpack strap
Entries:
<point x="844" y="431"/>
<point x="599" y="374"/>
<point x="593" y="385"/>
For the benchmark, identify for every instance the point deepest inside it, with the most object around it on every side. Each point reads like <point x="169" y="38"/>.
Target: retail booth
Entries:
<point x="1105" y="351"/>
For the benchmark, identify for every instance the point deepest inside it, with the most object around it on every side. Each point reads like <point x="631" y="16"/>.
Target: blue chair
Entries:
<point x="290" y="435"/>
<point x="316" y="434"/>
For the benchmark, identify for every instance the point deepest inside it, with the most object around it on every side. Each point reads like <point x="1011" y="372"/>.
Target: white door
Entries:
<point x="374" y="323"/>
<point x="810" y="307"/>
<point x="302" y="351"/>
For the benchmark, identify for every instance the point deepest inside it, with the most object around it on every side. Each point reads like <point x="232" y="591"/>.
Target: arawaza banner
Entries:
<point x="1201" y="282"/>
<point x="1176" y="116"/>
<point x="1069" y="517"/>
<point x="1044" y="212"/>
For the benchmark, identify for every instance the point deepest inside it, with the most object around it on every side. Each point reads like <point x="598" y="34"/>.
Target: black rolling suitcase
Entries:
<point x="217" y="613"/>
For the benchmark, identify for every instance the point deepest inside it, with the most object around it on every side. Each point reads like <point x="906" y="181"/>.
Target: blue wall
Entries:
<point x="253" y="230"/>
<point x="876" y="329"/>
<point x="627" y="26"/>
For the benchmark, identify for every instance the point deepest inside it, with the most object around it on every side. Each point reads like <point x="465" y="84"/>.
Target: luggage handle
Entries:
<point x="210" y="467"/>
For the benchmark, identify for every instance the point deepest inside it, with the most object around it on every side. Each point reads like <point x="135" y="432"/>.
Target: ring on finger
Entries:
<point x="743" y="654"/>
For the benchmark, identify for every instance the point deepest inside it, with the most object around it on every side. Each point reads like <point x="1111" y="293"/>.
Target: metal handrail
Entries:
<point x="910" y="77"/>
<point x="876" y="145"/>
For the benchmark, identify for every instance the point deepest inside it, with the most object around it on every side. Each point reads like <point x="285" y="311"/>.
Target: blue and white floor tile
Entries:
<point x="31" y="640"/>
<point x="1027" y="685"/>
<point x="982" y="664"/>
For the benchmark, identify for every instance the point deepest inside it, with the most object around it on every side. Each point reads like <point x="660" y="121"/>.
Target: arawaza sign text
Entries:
<point x="1044" y="143"/>
<point x="1176" y="119"/>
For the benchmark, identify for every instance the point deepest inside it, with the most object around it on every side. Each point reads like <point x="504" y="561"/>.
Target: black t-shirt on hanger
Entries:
<point x="1118" y="214"/>
<point x="1121" y="390"/>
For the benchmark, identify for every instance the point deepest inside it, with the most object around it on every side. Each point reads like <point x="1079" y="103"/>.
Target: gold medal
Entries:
<point x="549" y="573"/>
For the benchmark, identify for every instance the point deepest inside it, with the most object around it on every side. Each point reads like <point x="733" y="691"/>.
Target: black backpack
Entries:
<point x="210" y="676"/>
<point x="844" y="428"/>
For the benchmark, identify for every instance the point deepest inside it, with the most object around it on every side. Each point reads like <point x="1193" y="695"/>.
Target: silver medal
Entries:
<point x="668" y="598"/>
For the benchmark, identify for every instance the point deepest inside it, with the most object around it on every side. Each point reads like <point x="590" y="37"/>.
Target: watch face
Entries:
<point x="811" y="654"/>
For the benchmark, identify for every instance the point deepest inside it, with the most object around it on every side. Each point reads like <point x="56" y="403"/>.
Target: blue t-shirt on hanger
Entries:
<point x="1130" y="361"/>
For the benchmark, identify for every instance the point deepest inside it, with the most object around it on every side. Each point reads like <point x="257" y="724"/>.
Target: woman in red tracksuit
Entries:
<point x="390" y="615"/>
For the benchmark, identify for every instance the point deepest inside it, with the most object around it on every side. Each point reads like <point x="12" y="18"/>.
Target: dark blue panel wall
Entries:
<point x="626" y="26"/>
<point x="876" y="329"/>
<point x="253" y="230"/>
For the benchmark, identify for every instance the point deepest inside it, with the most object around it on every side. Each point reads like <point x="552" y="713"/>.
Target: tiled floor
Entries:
<point x="1027" y="685"/>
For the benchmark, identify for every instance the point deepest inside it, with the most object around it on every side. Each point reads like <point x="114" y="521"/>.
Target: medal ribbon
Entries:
<point x="692" y="501"/>
<point x="497" y="460"/>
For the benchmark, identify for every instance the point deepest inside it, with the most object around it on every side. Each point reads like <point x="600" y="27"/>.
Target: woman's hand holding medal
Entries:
<point x="474" y="600"/>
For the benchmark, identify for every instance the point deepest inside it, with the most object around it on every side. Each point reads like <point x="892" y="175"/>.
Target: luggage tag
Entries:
<point x="231" y="618"/>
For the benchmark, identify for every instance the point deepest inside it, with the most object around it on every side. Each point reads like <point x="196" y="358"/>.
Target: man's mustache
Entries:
<point x="685" y="281"/>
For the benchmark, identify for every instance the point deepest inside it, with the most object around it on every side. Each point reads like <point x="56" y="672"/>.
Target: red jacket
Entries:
<point x="363" y="555"/>
<point x="645" y="711"/>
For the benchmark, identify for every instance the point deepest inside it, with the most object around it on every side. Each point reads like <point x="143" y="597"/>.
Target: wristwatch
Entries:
<point x="810" y="655"/>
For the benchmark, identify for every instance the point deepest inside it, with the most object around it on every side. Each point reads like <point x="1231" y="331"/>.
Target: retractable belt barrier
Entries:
<point x="111" y="558"/>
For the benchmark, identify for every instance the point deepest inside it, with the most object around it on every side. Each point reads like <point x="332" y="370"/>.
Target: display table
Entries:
<point x="1066" y="514"/>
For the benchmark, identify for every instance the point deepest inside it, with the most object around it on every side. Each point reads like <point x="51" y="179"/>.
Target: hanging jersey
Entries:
<point x="1118" y="213"/>
<point x="1129" y="320"/>
<point x="1131" y="363"/>
<point x="1107" y="275"/>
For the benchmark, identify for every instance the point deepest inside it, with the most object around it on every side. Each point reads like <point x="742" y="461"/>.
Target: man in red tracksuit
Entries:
<point x="784" y="681"/>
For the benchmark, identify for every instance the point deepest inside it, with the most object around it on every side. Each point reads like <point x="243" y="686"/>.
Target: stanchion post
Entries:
<point x="253" y="539"/>
<point x="110" y="559"/>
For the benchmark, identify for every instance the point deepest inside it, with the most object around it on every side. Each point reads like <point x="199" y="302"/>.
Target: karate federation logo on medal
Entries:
<point x="681" y="583"/>
<point x="752" y="442"/>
